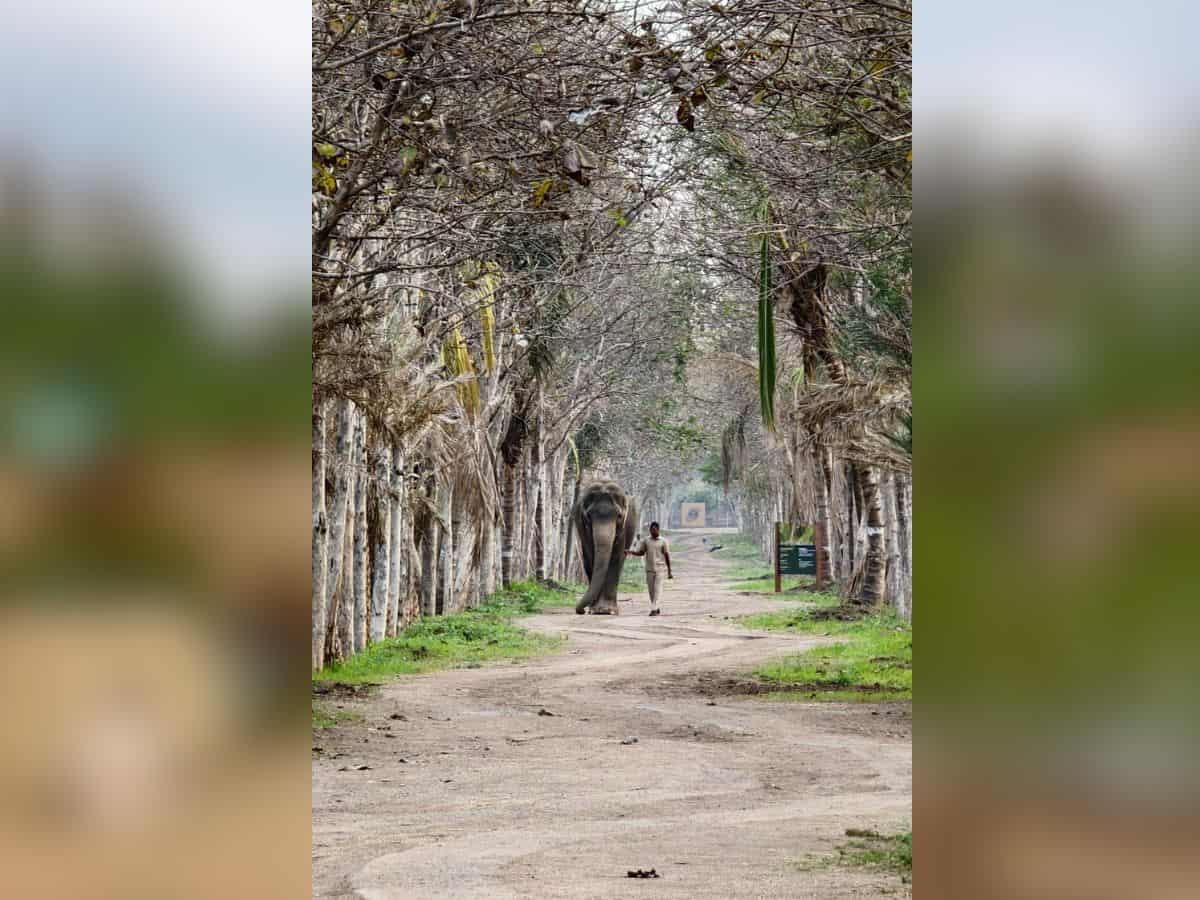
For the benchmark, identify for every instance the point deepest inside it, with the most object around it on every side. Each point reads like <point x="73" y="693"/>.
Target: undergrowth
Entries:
<point x="483" y="634"/>
<point x="871" y="662"/>
<point x="867" y="849"/>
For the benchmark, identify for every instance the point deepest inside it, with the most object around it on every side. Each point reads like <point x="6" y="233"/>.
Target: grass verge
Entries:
<point x="470" y="638"/>
<point x="867" y="849"/>
<point x="873" y="662"/>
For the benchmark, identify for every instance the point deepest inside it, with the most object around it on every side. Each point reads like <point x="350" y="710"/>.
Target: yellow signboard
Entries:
<point x="691" y="515"/>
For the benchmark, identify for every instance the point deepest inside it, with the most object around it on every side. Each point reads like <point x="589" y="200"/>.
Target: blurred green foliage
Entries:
<point x="1056" y="478"/>
<point x="120" y="352"/>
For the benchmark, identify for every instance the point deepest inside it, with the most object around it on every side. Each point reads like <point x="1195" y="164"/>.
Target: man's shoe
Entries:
<point x="655" y="612"/>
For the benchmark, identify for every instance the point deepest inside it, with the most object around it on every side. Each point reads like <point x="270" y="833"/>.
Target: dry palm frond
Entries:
<point x="487" y="327"/>
<point x="470" y="473"/>
<point x="482" y="280"/>
<point x="415" y="396"/>
<point x="486" y="292"/>
<point x="458" y="363"/>
<point x="862" y="419"/>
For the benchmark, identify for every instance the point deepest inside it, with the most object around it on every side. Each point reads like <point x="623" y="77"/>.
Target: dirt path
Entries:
<point x="476" y="792"/>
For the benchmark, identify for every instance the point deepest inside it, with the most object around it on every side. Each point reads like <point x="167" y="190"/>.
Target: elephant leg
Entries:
<point x="607" y="605"/>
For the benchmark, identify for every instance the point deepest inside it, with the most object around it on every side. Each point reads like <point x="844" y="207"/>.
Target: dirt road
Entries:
<point x="526" y="780"/>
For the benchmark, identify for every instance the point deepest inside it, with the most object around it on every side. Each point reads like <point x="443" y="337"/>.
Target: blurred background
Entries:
<point x="1058" y="462"/>
<point x="154" y="476"/>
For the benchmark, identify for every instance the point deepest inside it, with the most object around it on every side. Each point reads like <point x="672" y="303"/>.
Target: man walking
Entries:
<point x="658" y="559"/>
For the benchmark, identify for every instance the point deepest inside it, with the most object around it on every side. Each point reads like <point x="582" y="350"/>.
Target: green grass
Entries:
<point x="325" y="717"/>
<point x="737" y="546"/>
<point x="528" y="597"/>
<point x="876" y="851"/>
<point x="866" y="849"/>
<point x="748" y="570"/>
<point x="480" y="635"/>
<point x="633" y="576"/>
<point x="873" y="662"/>
<point x="747" y="560"/>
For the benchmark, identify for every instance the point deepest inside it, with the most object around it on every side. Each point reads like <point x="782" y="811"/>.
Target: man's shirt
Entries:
<point x="655" y="551"/>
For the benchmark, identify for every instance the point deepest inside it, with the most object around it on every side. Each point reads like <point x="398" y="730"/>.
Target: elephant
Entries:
<point x="605" y="520"/>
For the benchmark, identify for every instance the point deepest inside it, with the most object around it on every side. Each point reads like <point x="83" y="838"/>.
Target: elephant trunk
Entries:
<point x="603" y="538"/>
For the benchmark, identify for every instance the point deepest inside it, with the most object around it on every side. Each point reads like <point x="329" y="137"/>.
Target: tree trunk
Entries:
<point x="320" y="537"/>
<point x="850" y="533"/>
<point x="521" y="560"/>
<point x="568" y="551"/>
<point x="345" y="639"/>
<point x="487" y="553"/>
<point x="410" y="588"/>
<point x="518" y="549"/>
<point x="510" y="452"/>
<point x="381" y="550"/>
<point x="874" y="561"/>
<point x="397" y="551"/>
<point x="445" y="587"/>
<point x="824" y="547"/>
<point x="559" y="514"/>
<point x="525" y="515"/>
<point x="904" y="527"/>
<point x="343" y="439"/>
<point x="508" y="504"/>
<point x="360" y="537"/>
<point x="497" y="542"/>
<point x="539" y="532"/>
<point x="464" y="553"/>
<point x="540" y="503"/>
<point x="806" y="286"/>
<point x="454" y="555"/>
<point x="531" y="516"/>
<point x="429" y="553"/>
<point x="894" y="593"/>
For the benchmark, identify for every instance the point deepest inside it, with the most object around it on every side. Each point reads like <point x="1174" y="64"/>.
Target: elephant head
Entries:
<point x="605" y="520"/>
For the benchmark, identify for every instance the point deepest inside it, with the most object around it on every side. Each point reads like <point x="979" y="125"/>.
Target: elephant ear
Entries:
<point x="631" y="523"/>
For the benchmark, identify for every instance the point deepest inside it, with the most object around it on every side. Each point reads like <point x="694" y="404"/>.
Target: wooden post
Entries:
<point x="777" y="584"/>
